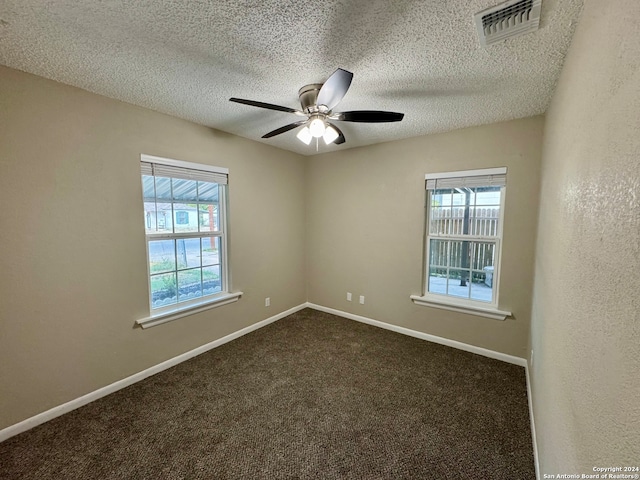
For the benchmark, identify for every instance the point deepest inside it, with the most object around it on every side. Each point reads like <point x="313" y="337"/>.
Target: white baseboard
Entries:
<point x="424" y="336"/>
<point x="43" y="417"/>
<point x="533" y="425"/>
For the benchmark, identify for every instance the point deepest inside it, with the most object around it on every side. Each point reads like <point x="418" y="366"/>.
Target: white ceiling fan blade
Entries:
<point x="335" y="88"/>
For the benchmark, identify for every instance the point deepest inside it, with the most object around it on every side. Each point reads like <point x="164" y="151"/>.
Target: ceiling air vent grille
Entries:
<point x="509" y="19"/>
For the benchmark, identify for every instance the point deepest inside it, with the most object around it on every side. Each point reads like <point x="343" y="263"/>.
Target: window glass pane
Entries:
<point x="462" y="199"/>
<point x="481" y="290"/>
<point x="164" y="223"/>
<point x="188" y="252"/>
<point x="438" y="255"/>
<point x="208" y="192"/>
<point x="487" y="196"/>
<point x="438" y="280"/>
<point x="484" y="214"/>
<point x="163" y="290"/>
<point x="458" y="283"/>
<point x="482" y="260"/>
<point x="185" y="217"/>
<point x="482" y="255"/>
<point x="189" y="284"/>
<point x="458" y="224"/>
<point x="440" y="212"/>
<point x="162" y="256"/>
<point x="439" y="220"/>
<point x="465" y="211"/>
<point x="441" y="197"/>
<point x="466" y="281"/>
<point x="148" y="190"/>
<point x="211" y="251"/>
<point x="209" y="219"/>
<point x="150" y="217"/>
<point x="483" y="221"/>
<point x="459" y="254"/>
<point x="211" y="280"/>
<point x="184" y="190"/>
<point x="163" y="189"/>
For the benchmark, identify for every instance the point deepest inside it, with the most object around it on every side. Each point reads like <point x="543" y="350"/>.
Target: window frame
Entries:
<point x="171" y="312"/>
<point x="452" y="302"/>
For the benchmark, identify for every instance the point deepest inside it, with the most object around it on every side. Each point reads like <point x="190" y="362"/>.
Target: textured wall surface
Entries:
<point x="585" y="320"/>
<point x="72" y="245"/>
<point x="365" y="217"/>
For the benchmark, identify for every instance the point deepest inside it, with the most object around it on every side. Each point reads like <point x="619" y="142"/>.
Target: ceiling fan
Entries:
<point x="318" y="101"/>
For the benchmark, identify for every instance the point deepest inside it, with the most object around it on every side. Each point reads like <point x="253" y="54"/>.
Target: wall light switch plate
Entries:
<point x="348" y="296"/>
<point x="267" y="302"/>
<point x="361" y="299"/>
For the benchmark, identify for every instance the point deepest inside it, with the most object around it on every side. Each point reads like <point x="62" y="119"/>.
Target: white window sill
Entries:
<point x="182" y="311"/>
<point x="452" y="305"/>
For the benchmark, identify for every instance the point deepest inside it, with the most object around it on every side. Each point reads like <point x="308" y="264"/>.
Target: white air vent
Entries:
<point x="509" y="19"/>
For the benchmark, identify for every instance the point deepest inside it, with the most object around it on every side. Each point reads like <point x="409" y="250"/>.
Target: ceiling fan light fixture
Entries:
<point x="317" y="126"/>
<point x="317" y="101"/>
<point x="305" y="136"/>
<point x="330" y="135"/>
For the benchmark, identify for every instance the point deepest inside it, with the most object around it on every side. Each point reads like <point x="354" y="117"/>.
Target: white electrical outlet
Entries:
<point x="267" y="302"/>
<point x="361" y="299"/>
<point x="348" y="296"/>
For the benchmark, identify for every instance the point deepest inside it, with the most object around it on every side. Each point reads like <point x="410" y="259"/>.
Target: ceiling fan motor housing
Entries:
<point x="309" y="96"/>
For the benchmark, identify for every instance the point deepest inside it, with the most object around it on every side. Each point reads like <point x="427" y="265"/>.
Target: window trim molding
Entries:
<point x="184" y="311"/>
<point x="450" y="304"/>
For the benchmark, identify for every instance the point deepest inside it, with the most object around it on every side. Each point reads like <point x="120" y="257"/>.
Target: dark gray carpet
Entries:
<point x="310" y="396"/>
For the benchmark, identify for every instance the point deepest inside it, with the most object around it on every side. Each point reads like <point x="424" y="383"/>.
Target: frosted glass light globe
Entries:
<point x="317" y="127"/>
<point x="330" y="135"/>
<point x="305" y="135"/>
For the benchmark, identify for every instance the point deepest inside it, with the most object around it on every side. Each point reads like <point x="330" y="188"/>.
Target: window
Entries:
<point x="185" y="223"/>
<point x="182" y="218"/>
<point x="463" y="238"/>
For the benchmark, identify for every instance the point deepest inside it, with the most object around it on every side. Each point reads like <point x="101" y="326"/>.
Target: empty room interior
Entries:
<point x="408" y="247"/>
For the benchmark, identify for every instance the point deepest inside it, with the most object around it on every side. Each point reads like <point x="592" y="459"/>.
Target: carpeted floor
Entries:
<point x="312" y="396"/>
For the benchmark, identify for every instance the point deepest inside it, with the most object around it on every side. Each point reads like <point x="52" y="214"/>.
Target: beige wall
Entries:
<point x="585" y="320"/>
<point x="73" y="256"/>
<point x="365" y="228"/>
<point x="72" y="245"/>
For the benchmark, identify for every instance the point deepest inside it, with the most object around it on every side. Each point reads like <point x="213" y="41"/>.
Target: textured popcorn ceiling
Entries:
<point x="186" y="58"/>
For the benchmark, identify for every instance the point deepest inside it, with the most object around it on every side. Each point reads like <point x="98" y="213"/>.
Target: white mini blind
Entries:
<point x="160" y="170"/>
<point x="490" y="177"/>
